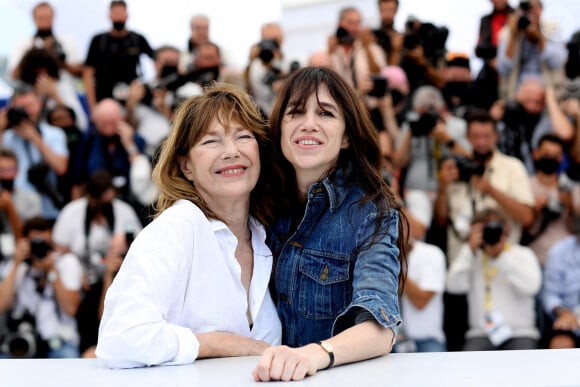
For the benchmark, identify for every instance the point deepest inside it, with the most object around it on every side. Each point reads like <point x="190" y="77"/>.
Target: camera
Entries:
<point x="524" y="20"/>
<point x="39" y="248"/>
<point x="468" y="168"/>
<point x="15" y="115"/>
<point x="268" y="48"/>
<point x="20" y="341"/>
<point x="485" y="52"/>
<point x="344" y="37"/>
<point x="492" y="233"/>
<point x="383" y="39"/>
<point x="431" y="37"/>
<point x="553" y="209"/>
<point x="380" y="86"/>
<point x="422" y="125"/>
<point x="38" y="176"/>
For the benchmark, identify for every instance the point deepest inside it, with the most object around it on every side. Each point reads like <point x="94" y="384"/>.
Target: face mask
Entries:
<point x="482" y="157"/>
<point x="457" y="89"/>
<point x="44" y="33"/>
<point x="119" y="26"/>
<point x="547" y="165"/>
<point x="7" y="184"/>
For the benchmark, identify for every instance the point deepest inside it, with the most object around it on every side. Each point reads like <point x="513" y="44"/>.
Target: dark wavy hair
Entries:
<point x="360" y="163"/>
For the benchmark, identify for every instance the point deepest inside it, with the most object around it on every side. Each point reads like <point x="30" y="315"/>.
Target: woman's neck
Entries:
<point x="236" y="215"/>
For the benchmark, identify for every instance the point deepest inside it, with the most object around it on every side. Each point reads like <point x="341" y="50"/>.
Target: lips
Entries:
<point x="232" y="170"/>
<point x="308" y="141"/>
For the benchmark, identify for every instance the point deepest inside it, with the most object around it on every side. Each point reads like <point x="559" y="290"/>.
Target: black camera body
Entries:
<point x="383" y="39"/>
<point x="422" y="125"/>
<point x="524" y="20"/>
<point x="468" y="168"/>
<point x="380" y="86"/>
<point x="39" y="248"/>
<point x="431" y="37"/>
<point x="268" y="48"/>
<point x="15" y="115"/>
<point x="492" y="233"/>
<point x="344" y="37"/>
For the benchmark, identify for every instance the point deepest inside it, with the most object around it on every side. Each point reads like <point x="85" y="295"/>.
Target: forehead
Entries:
<point x="199" y="22"/>
<point x="25" y="99"/>
<point x="351" y="16"/>
<point x="479" y="128"/>
<point x="43" y="11"/>
<point x="168" y="54"/>
<point x="550" y="146"/>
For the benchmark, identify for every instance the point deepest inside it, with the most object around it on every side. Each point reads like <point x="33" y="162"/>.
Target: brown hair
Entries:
<point x="225" y="103"/>
<point x="363" y="153"/>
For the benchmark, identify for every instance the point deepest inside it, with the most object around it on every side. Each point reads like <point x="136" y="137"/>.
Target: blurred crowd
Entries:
<point x="486" y="167"/>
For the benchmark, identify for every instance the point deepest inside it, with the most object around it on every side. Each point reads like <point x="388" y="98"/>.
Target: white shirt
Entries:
<point x="69" y="229"/>
<point x="51" y="322"/>
<point x="181" y="277"/>
<point x="427" y="270"/>
<point x="513" y="288"/>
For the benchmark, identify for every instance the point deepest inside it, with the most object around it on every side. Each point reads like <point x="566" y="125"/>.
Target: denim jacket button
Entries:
<point x="283" y="297"/>
<point x="324" y="274"/>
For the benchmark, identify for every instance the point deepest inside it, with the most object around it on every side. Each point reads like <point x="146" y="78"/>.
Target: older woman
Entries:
<point x="195" y="281"/>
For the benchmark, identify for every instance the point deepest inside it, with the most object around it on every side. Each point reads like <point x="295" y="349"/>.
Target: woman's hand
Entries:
<point x="285" y="363"/>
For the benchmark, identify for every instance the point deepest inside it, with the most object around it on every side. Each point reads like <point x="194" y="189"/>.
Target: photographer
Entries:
<point x="562" y="287"/>
<point x="354" y="53"/>
<point x="388" y="38"/>
<point x="423" y="54"/>
<point x="86" y="227"/>
<point x="149" y="106"/>
<point x="524" y="50"/>
<point x="535" y="112"/>
<point x="490" y="180"/>
<point x="45" y="286"/>
<point x="112" y="146"/>
<point x="552" y="196"/>
<point x="267" y="67"/>
<point x="429" y="134"/>
<point x="501" y="280"/>
<point x="40" y="68"/>
<point x="41" y="149"/>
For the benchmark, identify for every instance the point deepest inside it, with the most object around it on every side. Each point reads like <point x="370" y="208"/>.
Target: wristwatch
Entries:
<point x="330" y="350"/>
<point x="52" y="276"/>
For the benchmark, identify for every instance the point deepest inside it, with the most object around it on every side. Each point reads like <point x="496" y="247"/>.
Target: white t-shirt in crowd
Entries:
<point x="51" y="322"/>
<point x="427" y="270"/>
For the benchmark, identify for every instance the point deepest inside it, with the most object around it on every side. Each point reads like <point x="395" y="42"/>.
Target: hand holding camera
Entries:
<point x="476" y="237"/>
<point x="448" y="173"/>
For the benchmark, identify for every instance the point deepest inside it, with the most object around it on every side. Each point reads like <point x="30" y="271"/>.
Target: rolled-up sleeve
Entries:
<point x="375" y="276"/>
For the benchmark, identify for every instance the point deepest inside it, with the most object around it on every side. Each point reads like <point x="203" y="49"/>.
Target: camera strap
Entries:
<point x="489" y="274"/>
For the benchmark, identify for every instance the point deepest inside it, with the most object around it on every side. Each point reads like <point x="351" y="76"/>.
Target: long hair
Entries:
<point x="363" y="153"/>
<point x="227" y="104"/>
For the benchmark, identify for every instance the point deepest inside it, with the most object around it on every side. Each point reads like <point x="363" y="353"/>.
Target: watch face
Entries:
<point x="327" y="346"/>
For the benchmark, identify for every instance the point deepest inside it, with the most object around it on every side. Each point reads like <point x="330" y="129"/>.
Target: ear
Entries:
<point x="185" y="167"/>
<point x="345" y="142"/>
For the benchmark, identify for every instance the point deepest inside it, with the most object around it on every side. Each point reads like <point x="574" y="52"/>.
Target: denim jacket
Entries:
<point x="325" y="274"/>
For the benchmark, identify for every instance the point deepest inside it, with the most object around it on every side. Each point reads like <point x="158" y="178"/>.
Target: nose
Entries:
<point x="309" y="124"/>
<point x="230" y="149"/>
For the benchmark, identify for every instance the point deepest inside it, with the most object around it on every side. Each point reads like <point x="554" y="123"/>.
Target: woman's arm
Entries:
<point x="362" y="341"/>
<point x="375" y="286"/>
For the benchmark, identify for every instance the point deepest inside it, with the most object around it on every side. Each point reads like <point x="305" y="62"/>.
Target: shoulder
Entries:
<point x="503" y="161"/>
<point x="73" y="209"/>
<point x="182" y="212"/>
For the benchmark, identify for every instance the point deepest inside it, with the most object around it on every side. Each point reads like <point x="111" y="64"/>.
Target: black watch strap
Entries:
<point x="327" y="347"/>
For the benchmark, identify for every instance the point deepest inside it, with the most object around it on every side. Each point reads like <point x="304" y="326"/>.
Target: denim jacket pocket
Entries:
<point x="325" y="289"/>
